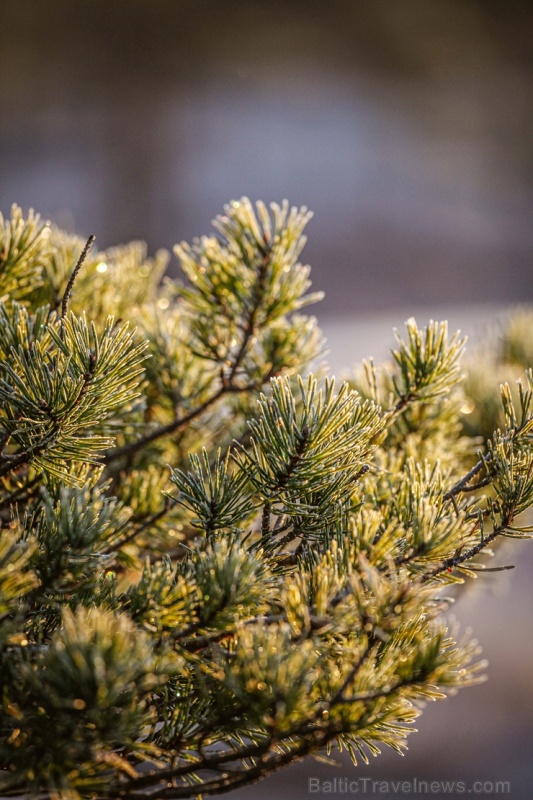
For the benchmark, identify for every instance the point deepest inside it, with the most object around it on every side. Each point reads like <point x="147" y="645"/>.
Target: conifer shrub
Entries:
<point x="212" y="561"/>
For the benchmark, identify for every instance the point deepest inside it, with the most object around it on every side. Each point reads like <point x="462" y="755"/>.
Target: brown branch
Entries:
<point x="74" y="275"/>
<point x="461" y="486"/>
<point x="339" y="694"/>
<point x="25" y="456"/>
<point x="296" y="457"/>
<point x="455" y="561"/>
<point x="164" y="430"/>
<point x="15" y="496"/>
<point x="141" y="527"/>
<point x="268" y="762"/>
<point x="403" y="402"/>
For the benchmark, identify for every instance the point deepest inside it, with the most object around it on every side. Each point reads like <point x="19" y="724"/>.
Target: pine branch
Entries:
<point x="286" y="596"/>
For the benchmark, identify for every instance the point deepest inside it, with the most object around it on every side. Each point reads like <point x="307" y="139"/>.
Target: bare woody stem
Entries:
<point x="462" y="485"/>
<point x="74" y="275"/>
<point x="456" y="561"/>
<point x="164" y="430"/>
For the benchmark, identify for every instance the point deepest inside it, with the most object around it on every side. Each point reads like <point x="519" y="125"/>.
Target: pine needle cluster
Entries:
<point x="213" y="562"/>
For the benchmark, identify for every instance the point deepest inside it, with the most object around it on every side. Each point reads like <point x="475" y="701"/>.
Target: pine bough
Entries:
<point x="209" y="566"/>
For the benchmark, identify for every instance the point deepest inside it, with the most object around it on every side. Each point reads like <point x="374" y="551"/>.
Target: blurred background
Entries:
<point x="406" y="127"/>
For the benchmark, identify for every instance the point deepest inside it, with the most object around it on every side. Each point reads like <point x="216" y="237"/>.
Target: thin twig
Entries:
<point x="339" y="694"/>
<point x="461" y="485"/>
<point x="455" y="561"/>
<point x="172" y="426"/>
<point x="70" y="284"/>
<point x="15" y="496"/>
<point x="147" y="523"/>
